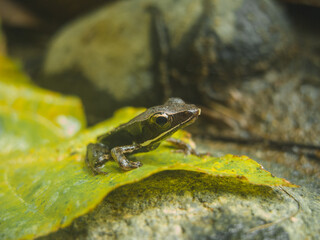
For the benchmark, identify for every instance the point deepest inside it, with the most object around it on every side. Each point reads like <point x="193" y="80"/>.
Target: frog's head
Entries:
<point x="164" y="120"/>
<point x="175" y="113"/>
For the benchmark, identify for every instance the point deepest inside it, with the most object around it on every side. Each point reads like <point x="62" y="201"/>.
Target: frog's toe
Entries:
<point x="190" y="151"/>
<point x="205" y="154"/>
<point x="99" y="171"/>
<point x="136" y="164"/>
<point x="179" y="151"/>
<point x="128" y="165"/>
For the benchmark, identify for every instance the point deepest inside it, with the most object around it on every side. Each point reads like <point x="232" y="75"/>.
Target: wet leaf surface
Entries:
<point x="49" y="187"/>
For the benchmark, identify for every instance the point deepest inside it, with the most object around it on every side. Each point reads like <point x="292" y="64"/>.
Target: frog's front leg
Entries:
<point x="97" y="155"/>
<point x="118" y="154"/>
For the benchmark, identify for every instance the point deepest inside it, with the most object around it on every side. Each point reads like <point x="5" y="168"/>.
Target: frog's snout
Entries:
<point x="196" y="112"/>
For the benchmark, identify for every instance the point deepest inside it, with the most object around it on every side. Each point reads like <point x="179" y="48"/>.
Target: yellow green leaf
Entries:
<point x="31" y="116"/>
<point x="49" y="187"/>
<point x="20" y="131"/>
<point x="64" y="112"/>
<point x="10" y="72"/>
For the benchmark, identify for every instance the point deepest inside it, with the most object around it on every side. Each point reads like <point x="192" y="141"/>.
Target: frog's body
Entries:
<point x="141" y="134"/>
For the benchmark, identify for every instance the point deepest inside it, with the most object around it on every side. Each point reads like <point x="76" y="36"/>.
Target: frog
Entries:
<point x="143" y="133"/>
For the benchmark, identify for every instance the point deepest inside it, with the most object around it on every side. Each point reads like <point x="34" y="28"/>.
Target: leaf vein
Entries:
<point x="12" y="189"/>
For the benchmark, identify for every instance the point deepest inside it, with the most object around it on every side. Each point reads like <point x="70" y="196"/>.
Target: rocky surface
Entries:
<point x="186" y="205"/>
<point x="2" y="41"/>
<point x="283" y="105"/>
<point x="315" y="3"/>
<point x="107" y="58"/>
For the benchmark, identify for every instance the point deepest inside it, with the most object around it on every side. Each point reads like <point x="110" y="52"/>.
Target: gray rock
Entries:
<point x="284" y="106"/>
<point x="2" y="42"/>
<point x="314" y="3"/>
<point x="112" y="57"/>
<point x="60" y="11"/>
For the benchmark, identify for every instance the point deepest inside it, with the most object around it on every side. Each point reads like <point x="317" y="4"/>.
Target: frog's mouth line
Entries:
<point x="187" y="122"/>
<point x="192" y="119"/>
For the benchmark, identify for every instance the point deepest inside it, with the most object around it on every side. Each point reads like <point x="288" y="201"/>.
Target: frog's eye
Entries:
<point x="161" y="119"/>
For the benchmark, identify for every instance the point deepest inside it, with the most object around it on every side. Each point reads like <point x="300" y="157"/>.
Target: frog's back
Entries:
<point x="122" y="135"/>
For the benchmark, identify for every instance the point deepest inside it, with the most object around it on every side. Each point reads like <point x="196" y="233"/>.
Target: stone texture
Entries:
<point x="261" y="34"/>
<point x="283" y="106"/>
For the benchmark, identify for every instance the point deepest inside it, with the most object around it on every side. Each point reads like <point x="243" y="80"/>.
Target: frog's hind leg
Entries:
<point x="185" y="147"/>
<point x="97" y="155"/>
<point x="182" y="146"/>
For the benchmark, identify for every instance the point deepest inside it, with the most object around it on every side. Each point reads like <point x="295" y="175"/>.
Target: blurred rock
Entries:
<point x="60" y="10"/>
<point x="282" y="104"/>
<point x="2" y="42"/>
<point x="113" y="56"/>
<point x="14" y="14"/>
<point x="104" y="58"/>
<point x="315" y="3"/>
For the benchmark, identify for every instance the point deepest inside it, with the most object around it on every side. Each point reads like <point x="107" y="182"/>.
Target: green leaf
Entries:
<point x="10" y="72"/>
<point x="31" y="116"/>
<point x="20" y="131"/>
<point x="49" y="187"/>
